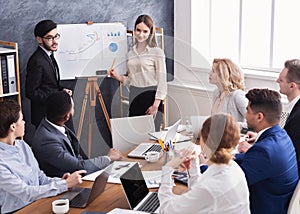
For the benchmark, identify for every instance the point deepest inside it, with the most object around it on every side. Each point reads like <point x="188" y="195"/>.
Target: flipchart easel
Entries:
<point x="92" y="89"/>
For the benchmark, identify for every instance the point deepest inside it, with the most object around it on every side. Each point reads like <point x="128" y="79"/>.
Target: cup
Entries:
<point x="152" y="156"/>
<point x="60" y="206"/>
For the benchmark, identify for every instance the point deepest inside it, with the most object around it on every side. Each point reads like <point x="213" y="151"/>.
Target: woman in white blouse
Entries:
<point x="222" y="188"/>
<point x="230" y="96"/>
<point x="146" y="72"/>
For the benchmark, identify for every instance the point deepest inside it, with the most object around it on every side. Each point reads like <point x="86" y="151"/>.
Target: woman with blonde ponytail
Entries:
<point x="222" y="188"/>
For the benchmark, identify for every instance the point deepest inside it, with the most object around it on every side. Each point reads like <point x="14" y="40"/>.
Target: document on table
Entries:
<point x="162" y="135"/>
<point x="117" y="168"/>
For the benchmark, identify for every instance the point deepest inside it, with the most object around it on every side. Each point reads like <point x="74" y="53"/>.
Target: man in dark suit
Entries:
<point x="289" y="84"/>
<point x="57" y="148"/>
<point x="42" y="70"/>
<point x="270" y="165"/>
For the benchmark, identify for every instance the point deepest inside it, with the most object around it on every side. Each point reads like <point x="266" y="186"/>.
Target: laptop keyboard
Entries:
<point x="81" y="198"/>
<point x="151" y="204"/>
<point x="154" y="147"/>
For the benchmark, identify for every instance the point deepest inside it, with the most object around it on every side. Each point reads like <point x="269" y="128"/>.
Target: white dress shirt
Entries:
<point x="21" y="180"/>
<point x="221" y="189"/>
<point x="290" y="105"/>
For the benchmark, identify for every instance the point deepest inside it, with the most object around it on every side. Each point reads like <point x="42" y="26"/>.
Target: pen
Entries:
<point x="112" y="66"/>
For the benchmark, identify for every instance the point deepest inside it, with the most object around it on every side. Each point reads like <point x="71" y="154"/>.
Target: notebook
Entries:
<point x="81" y="197"/>
<point x="143" y="148"/>
<point x="136" y="191"/>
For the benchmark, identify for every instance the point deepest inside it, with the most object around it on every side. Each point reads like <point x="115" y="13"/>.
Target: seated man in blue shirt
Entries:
<point x="21" y="180"/>
<point x="270" y="165"/>
<point x="57" y="148"/>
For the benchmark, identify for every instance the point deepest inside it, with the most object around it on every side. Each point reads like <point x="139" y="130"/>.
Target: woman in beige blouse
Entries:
<point x="146" y="72"/>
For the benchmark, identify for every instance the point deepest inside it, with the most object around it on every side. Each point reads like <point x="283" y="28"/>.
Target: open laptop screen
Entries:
<point x="134" y="185"/>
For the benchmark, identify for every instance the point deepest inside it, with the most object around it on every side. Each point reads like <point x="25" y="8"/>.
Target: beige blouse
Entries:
<point x="147" y="69"/>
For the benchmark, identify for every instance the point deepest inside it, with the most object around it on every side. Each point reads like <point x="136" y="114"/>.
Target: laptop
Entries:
<point x="143" y="148"/>
<point x="137" y="194"/>
<point x="81" y="197"/>
<point x="130" y="131"/>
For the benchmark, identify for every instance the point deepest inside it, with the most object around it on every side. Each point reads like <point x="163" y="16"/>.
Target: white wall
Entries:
<point x="190" y="92"/>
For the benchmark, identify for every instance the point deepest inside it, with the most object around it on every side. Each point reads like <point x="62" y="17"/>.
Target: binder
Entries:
<point x="4" y="73"/>
<point x="1" y="87"/>
<point x="11" y="73"/>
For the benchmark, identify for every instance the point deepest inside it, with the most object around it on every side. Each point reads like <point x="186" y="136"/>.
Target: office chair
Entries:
<point x="129" y="131"/>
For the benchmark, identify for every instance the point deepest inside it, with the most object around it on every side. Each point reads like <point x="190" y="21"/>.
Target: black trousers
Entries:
<point x="140" y="99"/>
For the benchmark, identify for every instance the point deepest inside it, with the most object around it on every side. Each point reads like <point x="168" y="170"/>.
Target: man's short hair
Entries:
<point x="267" y="102"/>
<point x="43" y="27"/>
<point x="293" y="74"/>
<point x="9" y="114"/>
<point x="58" y="105"/>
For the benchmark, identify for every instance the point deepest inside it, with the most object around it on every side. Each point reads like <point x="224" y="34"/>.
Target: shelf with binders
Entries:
<point x="9" y="71"/>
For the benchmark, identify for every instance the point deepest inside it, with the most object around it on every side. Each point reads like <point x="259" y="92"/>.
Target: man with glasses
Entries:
<point x="42" y="70"/>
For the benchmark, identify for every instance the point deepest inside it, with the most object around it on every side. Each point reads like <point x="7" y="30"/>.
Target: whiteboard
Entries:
<point x="83" y="49"/>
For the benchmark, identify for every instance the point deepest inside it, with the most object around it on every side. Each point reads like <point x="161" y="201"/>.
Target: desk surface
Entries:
<point x="112" y="197"/>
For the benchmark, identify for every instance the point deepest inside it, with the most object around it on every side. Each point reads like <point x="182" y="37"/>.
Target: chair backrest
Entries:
<point x="294" y="206"/>
<point x="129" y="131"/>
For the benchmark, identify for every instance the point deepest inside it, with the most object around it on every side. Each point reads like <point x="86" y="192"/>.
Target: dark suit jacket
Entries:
<point x="271" y="171"/>
<point x="57" y="155"/>
<point x="292" y="128"/>
<point x="41" y="81"/>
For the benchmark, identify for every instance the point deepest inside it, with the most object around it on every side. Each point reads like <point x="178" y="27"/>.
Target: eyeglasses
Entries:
<point x="52" y="38"/>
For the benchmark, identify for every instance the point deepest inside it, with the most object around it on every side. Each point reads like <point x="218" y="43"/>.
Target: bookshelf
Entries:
<point x="9" y="71"/>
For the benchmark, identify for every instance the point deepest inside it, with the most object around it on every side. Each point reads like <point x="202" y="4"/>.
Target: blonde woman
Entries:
<point x="229" y="96"/>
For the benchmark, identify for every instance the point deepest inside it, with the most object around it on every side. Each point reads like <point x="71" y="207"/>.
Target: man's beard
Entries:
<point x="47" y="47"/>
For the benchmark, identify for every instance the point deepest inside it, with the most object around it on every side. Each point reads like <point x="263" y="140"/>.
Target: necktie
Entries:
<point x="68" y="135"/>
<point x="55" y="66"/>
<point x="283" y="117"/>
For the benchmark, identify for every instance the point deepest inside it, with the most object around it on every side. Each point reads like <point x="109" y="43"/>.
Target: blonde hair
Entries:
<point x="221" y="135"/>
<point x="230" y="75"/>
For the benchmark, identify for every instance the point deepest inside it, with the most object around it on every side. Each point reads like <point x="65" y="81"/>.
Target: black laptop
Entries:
<point x="137" y="192"/>
<point x="81" y="197"/>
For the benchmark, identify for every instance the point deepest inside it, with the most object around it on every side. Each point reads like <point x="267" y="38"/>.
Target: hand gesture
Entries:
<point x="114" y="154"/>
<point x="74" y="178"/>
<point x="183" y="159"/>
<point x="112" y="73"/>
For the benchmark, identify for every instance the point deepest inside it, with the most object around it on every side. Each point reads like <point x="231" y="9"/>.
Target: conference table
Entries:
<point x="112" y="197"/>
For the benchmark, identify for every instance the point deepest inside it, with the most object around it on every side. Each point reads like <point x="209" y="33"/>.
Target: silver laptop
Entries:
<point x="136" y="191"/>
<point x="143" y="148"/>
<point x="81" y="197"/>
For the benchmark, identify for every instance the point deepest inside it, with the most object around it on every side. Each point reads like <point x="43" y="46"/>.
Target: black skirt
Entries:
<point x="140" y="99"/>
